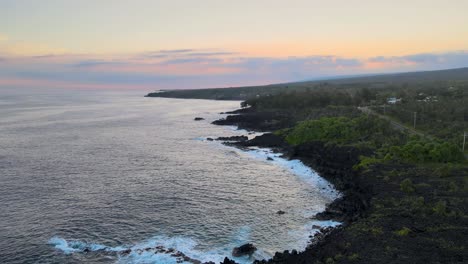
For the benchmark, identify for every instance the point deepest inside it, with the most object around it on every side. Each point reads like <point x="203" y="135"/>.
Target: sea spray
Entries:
<point x="161" y="249"/>
<point x="297" y="168"/>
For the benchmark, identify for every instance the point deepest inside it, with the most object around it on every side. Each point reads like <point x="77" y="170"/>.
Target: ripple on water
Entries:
<point x="108" y="172"/>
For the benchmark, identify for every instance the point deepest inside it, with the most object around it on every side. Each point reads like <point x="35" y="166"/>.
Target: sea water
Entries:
<point x="85" y="175"/>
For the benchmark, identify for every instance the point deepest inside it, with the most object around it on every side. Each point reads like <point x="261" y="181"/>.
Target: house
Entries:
<point x="393" y="100"/>
<point x="429" y="99"/>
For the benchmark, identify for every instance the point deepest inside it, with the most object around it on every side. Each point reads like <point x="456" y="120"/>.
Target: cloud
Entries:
<point x="45" y="56"/>
<point x="196" y="60"/>
<point x="177" y="51"/>
<point x="93" y="63"/>
<point x="152" y="55"/>
<point x="190" y="68"/>
<point x="424" y="61"/>
<point x="182" y="53"/>
<point x="460" y="57"/>
<point x="380" y="59"/>
<point x="209" y="54"/>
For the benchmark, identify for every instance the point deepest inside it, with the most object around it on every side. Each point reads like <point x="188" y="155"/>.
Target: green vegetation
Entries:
<point x="439" y="99"/>
<point x="353" y="257"/>
<point x="407" y="186"/>
<point x="440" y="208"/>
<point x="338" y="130"/>
<point x="320" y="97"/>
<point x="440" y="108"/>
<point x="417" y="182"/>
<point x="372" y="132"/>
<point x="426" y="151"/>
<point x="403" y="232"/>
<point x="362" y="130"/>
<point x="352" y="83"/>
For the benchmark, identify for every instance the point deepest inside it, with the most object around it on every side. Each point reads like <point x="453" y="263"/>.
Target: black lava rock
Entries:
<point x="234" y="138"/>
<point x="246" y="249"/>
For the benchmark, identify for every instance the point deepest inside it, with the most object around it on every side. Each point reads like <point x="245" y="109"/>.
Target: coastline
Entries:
<point x="157" y="247"/>
<point x="404" y="194"/>
<point x="332" y="164"/>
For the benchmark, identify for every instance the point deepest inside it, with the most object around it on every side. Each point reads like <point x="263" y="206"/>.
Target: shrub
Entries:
<point x="365" y="162"/>
<point x="407" y="186"/>
<point x="423" y="151"/>
<point x="353" y="257"/>
<point x="340" y="130"/>
<point x="444" y="170"/>
<point x="403" y="232"/>
<point x="440" y="208"/>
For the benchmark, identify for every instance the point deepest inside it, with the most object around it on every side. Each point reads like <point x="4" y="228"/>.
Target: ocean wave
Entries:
<point x="171" y="250"/>
<point x="71" y="246"/>
<point x="162" y="250"/>
<point x="297" y="168"/>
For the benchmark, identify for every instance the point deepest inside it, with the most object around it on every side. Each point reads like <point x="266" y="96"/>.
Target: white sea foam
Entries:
<point x="72" y="246"/>
<point x="303" y="234"/>
<point x="190" y="247"/>
<point x="306" y="174"/>
<point x="297" y="168"/>
<point x="187" y="246"/>
<point x="309" y="176"/>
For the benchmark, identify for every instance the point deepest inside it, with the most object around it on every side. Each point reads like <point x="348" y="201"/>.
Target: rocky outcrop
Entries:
<point x="267" y="140"/>
<point x="334" y="163"/>
<point x="293" y="257"/>
<point x="179" y="256"/>
<point x="246" y="249"/>
<point x="228" y="261"/>
<point x="233" y="138"/>
<point x="198" y="118"/>
<point x="263" y="121"/>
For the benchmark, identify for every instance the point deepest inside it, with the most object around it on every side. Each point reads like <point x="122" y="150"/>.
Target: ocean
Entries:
<point x="86" y="175"/>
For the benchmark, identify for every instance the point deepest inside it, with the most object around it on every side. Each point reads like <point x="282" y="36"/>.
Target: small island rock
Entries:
<point x="246" y="249"/>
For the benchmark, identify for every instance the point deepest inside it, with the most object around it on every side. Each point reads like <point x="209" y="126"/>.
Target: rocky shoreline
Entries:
<point x="333" y="163"/>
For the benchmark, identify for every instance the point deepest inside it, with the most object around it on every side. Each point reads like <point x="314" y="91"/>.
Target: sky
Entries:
<point x="184" y="44"/>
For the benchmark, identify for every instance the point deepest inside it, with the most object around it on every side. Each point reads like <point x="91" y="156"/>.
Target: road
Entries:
<point x="395" y="124"/>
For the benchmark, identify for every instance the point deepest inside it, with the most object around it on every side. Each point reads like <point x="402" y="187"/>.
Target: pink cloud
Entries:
<point x="199" y="69"/>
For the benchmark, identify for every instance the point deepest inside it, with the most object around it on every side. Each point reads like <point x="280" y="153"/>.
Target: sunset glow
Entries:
<point x="189" y="44"/>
